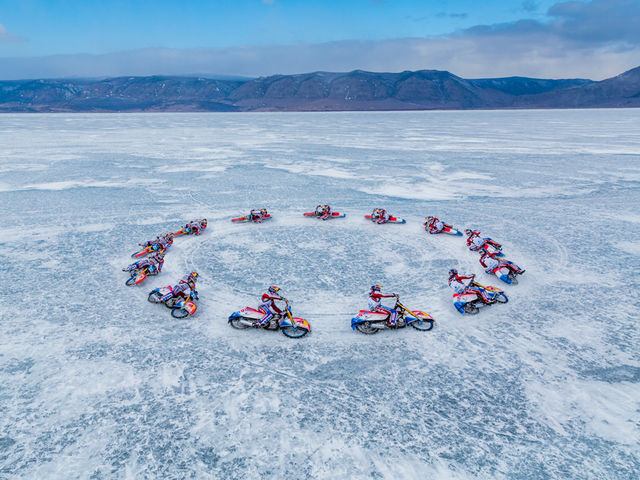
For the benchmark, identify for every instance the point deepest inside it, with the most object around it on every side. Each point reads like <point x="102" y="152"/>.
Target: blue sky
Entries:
<point x="593" y="38"/>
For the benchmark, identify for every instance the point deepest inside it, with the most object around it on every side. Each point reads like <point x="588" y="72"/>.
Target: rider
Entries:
<point x="375" y="304"/>
<point x="459" y="287"/>
<point x="433" y="224"/>
<point x="161" y="242"/>
<point x="488" y="260"/>
<point x="380" y="215"/>
<point x="323" y="211"/>
<point x="154" y="263"/>
<point x="257" y="215"/>
<point x="196" y="226"/>
<point x="186" y="282"/>
<point x="268" y="305"/>
<point x="491" y="264"/>
<point x="475" y="242"/>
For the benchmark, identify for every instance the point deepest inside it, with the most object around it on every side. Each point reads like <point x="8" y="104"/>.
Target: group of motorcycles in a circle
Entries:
<point x="468" y="299"/>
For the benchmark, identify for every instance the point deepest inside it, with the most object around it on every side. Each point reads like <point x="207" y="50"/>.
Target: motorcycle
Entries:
<point x="391" y="219"/>
<point x="249" y="218"/>
<point x="139" y="275"/>
<point x="446" y="229"/>
<point x="372" y="322"/>
<point x="333" y="215"/>
<point x="470" y="302"/>
<point x="180" y="307"/>
<point x="507" y="272"/>
<point x="290" y="326"/>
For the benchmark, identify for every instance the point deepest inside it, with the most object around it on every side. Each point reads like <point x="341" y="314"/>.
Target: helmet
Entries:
<point x="204" y="222"/>
<point x="453" y="272"/>
<point x="263" y="211"/>
<point x="469" y="232"/>
<point x="193" y="276"/>
<point x="376" y="288"/>
<point x="429" y="218"/>
<point x="274" y="290"/>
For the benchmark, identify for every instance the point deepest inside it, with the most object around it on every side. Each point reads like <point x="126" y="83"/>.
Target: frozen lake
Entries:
<point x="98" y="383"/>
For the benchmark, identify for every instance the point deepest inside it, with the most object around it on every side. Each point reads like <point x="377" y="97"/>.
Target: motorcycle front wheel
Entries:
<point x="366" y="328"/>
<point x="130" y="281"/>
<point x="423" y="325"/>
<point x="294" y="332"/>
<point x="501" y="298"/>
<point x="514" y="278"/>
<point x="154" y="297"/>
<point x="179" y="313"/>
<point x="237" y="323"/>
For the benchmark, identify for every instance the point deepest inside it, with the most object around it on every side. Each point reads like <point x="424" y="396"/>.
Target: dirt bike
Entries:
<point x="332" y="215"/>
<point x="180" y="307"/>
<point x="445" y="229"/>
<point x="372" y="322"/>
<point x="139" y="275"/>
<point x="391" y="219"/>
<point x="290" y="326"/>
<point x="249" y="218"/>
<point x="471" y="302"/>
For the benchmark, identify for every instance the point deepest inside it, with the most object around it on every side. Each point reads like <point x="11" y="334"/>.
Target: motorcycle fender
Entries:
<point x="190" y="307"/>
<point x="302" y="323"/>
<point x="503" y="274"/>
<point x="421" y="315"/>
<point x="140" y="277"/>
<point x="459" y="306"/>
<point x="493" y="290"/>
<point x="355" y="321"/>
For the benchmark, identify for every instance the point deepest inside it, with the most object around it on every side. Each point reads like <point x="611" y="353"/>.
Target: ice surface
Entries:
<point x="98" y="383"/>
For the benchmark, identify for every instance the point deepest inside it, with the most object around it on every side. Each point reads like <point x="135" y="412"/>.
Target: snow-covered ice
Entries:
<point x="98" y="383"/>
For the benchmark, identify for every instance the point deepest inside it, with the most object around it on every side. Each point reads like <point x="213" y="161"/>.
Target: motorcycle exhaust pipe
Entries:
<point x="248" y="323"/>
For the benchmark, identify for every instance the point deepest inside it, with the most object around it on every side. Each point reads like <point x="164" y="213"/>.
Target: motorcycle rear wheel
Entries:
<point x="366" y="328"/>
<point x="179" y="313"/>
<point x="237" y="323"/>
<point x="422" y="325"/>
<point x="171" y="302"/>
<point x="154" y="297"/>
<point x="471" y="309"/>
<point x="293" y="331"/>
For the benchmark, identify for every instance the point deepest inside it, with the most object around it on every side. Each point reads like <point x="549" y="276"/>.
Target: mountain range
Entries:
<point x="318" y="91"/>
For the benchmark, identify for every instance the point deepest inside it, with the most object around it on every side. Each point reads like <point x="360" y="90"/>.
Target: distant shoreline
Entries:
<point x="423" y="90"/>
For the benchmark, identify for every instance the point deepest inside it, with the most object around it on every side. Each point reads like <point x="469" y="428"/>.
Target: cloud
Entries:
<point x="529" y="6"/>
<point x="573" y="42"/>
<point x="5" y="36"/>
<point x="451" y="15"/>
<point x="597" y="21"/>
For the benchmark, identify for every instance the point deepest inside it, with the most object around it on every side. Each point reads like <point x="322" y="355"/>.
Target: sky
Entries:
<point x="539" y="38"/>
